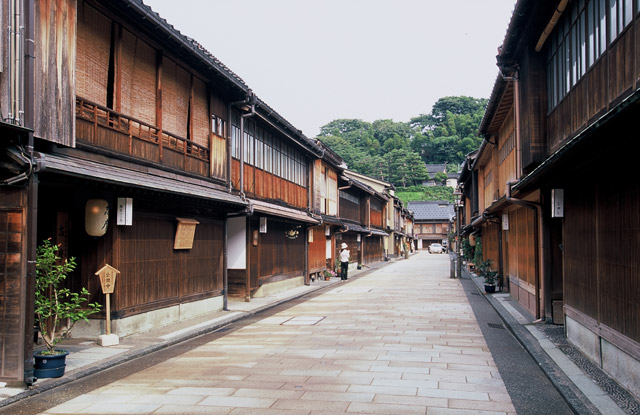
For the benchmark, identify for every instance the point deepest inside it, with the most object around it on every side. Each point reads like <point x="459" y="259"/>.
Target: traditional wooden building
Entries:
<point x="563" y="235"/>
<point x="432" y="222"/>
<point x="270" y="168"/>
<point x="129" y="144"/>
<point x="322" y="253"/>
<point x="18" y="191"/>
<point x="362" y="211"/>
<point x="388" y="210"/>
<point x="132" y="145"/>
<point x="403" y="229"/>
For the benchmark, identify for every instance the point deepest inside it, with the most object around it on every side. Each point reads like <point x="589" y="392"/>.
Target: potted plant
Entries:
<point x="490" y="276"/>
<point x="328" y="273"/>
<point x="55" y="305"/>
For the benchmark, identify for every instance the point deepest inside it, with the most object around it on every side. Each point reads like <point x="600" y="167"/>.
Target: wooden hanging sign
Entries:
<point x="107" y="276"/>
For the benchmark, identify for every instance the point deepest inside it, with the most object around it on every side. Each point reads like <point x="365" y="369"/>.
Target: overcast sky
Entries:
<point x="314" y="61"/>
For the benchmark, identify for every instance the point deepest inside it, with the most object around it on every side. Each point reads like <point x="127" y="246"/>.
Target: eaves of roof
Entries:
<point x="149" y="179"/>
<point x="281" y="211"/>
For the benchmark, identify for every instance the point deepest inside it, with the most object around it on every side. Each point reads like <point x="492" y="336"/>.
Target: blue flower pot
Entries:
<point x="490" y="289"/>
<point x="50" y="365"/>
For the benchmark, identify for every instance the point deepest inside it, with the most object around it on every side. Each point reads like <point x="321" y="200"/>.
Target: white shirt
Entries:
<point x="344" y="255"/>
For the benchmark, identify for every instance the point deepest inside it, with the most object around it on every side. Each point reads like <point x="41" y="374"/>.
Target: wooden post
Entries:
<point x="108" y="322"/>
<point x="108" y="276"/>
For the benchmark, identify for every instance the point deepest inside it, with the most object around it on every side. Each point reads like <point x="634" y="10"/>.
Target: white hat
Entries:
<point x="343" y="246"/>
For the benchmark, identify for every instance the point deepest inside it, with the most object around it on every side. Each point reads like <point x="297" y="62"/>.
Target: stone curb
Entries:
<point x="574" y="397"/>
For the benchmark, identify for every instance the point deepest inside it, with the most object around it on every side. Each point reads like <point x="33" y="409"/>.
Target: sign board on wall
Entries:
<point x="557" y="203"/>
<point x="124" y="211"/>
<point x="185" y="233"/>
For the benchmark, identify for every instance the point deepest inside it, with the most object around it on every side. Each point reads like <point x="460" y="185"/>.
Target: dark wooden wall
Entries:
<point x="349" y="210"/>
<point x="277" y="256"/>
<point x="614" y="76"/>
<point x="533" y="104"/>
<point x="13" y="238"/>
<point x="153" y="273"/>
<point x="55" y="52"/>
<point x="601" y="261"/>
<point x="351" y="239"/>
<point x="373" y="250"/>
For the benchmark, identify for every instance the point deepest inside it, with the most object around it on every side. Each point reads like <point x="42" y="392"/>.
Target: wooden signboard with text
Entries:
<point x="185" y="233"/>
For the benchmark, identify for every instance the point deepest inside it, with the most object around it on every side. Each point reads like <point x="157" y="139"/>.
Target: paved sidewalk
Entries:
<point x="583" y="385"/>
<point x="86" y="357"/>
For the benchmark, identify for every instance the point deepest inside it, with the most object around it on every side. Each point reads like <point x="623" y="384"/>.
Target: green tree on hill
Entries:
<point x="397" y="152"/>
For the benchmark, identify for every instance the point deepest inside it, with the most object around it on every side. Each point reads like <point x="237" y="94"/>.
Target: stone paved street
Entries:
<point x="399" y="340"/>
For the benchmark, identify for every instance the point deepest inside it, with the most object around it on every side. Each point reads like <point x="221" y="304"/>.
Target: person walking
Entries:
<point x="344" y="261"/>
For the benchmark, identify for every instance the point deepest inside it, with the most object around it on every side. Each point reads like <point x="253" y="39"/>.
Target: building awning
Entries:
<point x="282" y="211"/>
<point x="350" y="227"/>
<point x="378" y="232"/>
<point x="152" y="179"/>
<point x="331" y="220"/>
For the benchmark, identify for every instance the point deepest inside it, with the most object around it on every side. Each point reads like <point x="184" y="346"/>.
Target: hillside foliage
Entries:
<point x="397" y="152"/>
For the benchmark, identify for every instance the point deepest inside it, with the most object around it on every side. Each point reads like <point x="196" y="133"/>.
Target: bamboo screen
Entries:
<point x="92" y="59"/>
<point x="200" y="113"/>
<point x="489" y="185"/>
<point x="490" y="244"/>
<point x="318" y="193"/>
<point x="138" y="72"/>
<point x="323" y="189"/>
<point x="521" y="249"/>
<point x="175" y="98"/>
<point x="332" y="192"/>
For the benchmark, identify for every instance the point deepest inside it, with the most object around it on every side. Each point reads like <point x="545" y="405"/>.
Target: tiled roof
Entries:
<point x="431" y="210"/>
<point x="435" y="168"/>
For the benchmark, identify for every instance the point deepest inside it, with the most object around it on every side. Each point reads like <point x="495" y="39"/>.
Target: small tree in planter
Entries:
<point x="54" y="304"/>
<point x="490" y="277"/>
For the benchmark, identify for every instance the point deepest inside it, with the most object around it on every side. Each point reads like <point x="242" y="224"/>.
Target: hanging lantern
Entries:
<point x="472" y="240"/>
<point x="96" y="217"/>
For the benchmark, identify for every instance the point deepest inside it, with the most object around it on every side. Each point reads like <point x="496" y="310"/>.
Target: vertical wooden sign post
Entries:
<point x="108" y="276"/>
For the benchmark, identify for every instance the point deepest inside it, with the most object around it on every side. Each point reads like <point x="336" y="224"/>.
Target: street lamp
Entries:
<point x="457" y="196"/>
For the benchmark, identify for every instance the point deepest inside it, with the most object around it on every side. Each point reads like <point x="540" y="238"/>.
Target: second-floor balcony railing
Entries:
<point x="104" y="128"/>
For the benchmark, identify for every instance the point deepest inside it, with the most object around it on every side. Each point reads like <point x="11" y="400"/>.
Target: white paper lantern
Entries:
<point x="96" y="217"/>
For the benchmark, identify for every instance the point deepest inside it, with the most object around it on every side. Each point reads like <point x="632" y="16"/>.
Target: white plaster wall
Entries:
<point x="622" y="367"/>
<point x="584" y="339"/>
<point x="141" y="323"/>
<point x="278" y="287"/>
